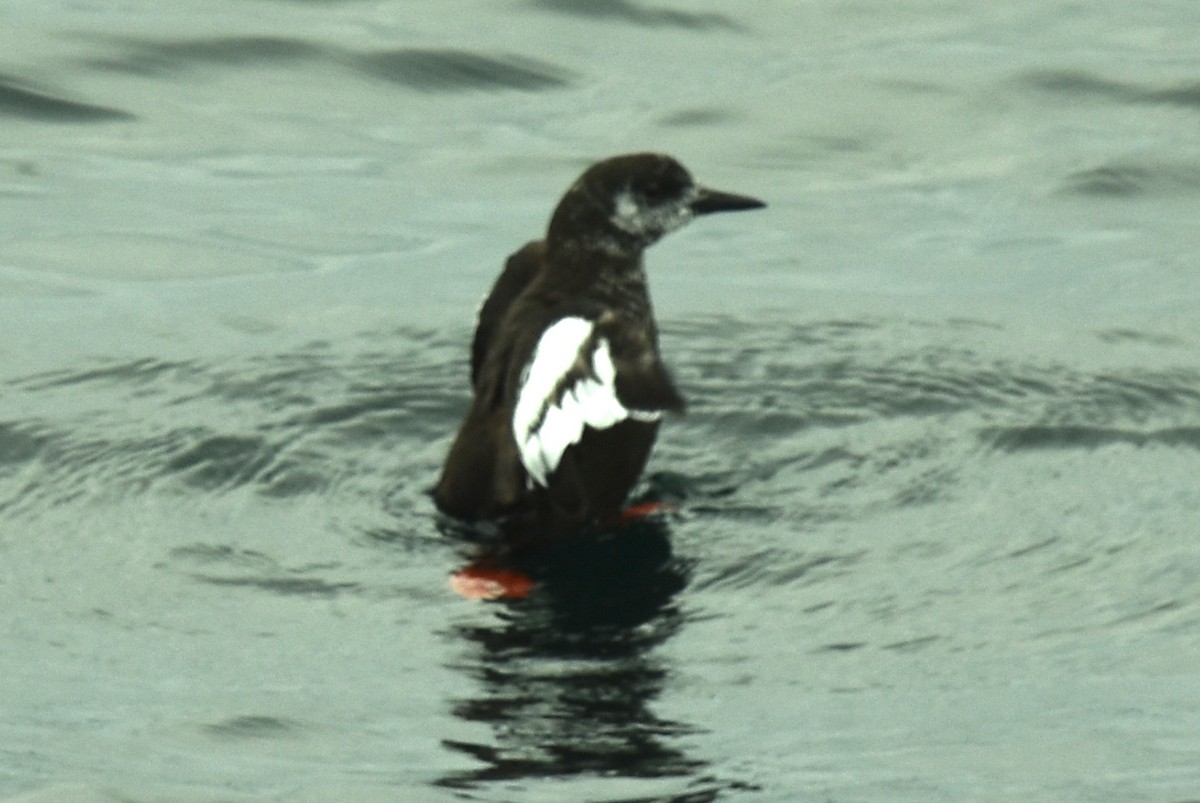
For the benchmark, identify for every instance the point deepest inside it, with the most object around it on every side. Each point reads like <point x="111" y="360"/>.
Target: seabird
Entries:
<point x="569" y="386"/>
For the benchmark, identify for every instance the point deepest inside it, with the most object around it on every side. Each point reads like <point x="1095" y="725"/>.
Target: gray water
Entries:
<point x="939" y="484"/>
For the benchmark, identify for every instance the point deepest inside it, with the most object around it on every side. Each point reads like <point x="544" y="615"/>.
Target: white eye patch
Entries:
<point x="642" y="219"/>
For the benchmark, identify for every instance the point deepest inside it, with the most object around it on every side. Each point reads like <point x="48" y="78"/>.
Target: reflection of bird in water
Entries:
<point x="569" y="386"/>
<point x="567" y="679"/>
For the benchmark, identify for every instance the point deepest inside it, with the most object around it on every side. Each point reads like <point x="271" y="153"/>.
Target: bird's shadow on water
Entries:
<point x="567" y="675"/>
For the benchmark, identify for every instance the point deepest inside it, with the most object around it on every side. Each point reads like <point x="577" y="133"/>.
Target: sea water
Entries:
<point x="938" y="488"/>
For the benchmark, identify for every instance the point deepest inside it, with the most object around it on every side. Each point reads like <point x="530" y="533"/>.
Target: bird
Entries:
<point x="568" y="385"/>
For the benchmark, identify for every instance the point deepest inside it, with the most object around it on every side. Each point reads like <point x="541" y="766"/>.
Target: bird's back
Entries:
<point x="569" y="450"/>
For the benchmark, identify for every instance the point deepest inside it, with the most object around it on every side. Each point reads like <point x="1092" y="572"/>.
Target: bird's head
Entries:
<point x="624" y="204"/>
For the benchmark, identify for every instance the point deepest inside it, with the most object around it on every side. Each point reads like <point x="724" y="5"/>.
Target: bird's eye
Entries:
<point x="661" y="189"/>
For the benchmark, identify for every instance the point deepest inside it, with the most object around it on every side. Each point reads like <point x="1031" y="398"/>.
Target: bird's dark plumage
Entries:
<point x="568" y="383"/>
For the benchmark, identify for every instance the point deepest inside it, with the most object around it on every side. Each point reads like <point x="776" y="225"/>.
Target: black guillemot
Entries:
<point x="568" y="383"/>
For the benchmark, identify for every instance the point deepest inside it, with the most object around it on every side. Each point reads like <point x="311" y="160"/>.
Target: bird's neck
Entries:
<point x="624" y="290"/>
<point x="616" y="279"/>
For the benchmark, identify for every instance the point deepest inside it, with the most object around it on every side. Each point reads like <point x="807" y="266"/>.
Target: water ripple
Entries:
<point x="453" y="70"/>
<point x="627" y="11"/>
<point x="1087" y="85"/>
<point x="423" y="69"/>
<point x="812" y="423"/>
<point x="1042" y="436"/>
<point x="150" y="57"/>
<point x="311" y="421"/>
<point x="1124" y="179"/>
<point x="19" y="100"/>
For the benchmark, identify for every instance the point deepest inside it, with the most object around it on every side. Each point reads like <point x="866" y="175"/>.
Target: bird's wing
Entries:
<point x="518" y="272"/>
<point x="572" y="381"/>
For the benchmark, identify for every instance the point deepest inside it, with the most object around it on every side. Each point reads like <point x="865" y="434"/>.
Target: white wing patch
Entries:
<point x="544" y="427"/>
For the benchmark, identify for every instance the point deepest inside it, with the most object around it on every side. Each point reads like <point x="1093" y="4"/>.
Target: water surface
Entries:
<point x="936" y="489"/>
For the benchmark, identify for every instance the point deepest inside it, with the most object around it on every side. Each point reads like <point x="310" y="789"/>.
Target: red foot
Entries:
<point x="482" y="582"/>
<point x="635" y="512"/>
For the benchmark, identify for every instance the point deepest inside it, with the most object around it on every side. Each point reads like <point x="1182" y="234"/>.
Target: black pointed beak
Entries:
<point x="708" y="201"/>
